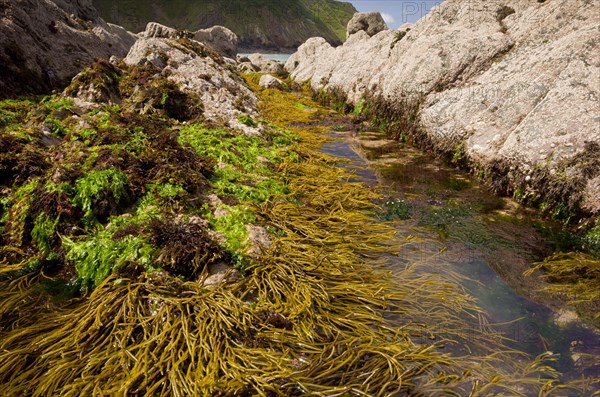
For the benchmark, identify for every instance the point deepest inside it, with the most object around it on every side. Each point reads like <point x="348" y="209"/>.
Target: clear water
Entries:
<point x="275" y="57"/>
<point x="531" y="326"/>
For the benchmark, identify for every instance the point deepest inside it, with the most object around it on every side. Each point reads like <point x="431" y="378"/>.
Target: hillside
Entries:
<point x="260" y="24"/>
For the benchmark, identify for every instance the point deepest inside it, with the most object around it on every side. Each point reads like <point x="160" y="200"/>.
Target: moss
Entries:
<point x="18" y="221"/>
<point x="100" y="81"/>
<point x="247" y="163"/>
<point x="232" y="226"/>
<point x="399" y="119"/>
<point x="398" y="209"/>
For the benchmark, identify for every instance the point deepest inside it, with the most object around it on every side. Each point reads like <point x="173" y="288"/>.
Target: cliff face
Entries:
<point x="44" y="43"/>
<point x="512" y="88"/>
<point x="259" y="24"/>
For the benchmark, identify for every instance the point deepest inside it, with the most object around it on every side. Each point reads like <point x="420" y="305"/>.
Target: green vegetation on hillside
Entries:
<point x="260" y="24"/>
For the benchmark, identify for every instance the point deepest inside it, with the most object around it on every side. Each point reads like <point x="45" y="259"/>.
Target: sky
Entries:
<point x="396" y="12"/>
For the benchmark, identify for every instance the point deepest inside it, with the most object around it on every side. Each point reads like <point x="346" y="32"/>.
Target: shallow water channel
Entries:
<point x="455" y="226"/>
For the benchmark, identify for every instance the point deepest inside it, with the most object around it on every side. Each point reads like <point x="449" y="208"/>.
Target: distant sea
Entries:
<point x="276" y="57"/>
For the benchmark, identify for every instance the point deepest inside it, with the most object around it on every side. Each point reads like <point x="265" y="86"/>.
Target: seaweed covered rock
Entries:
<point x="509" y="88"/>
<point x="43" y="44"/>
<point x="197" y="70"/>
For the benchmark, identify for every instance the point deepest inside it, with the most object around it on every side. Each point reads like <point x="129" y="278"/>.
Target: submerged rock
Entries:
<point x="44" y="43"/>
<point x="514" y="86"/>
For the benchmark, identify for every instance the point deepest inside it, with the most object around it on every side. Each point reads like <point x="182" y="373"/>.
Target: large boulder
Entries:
<point x="370" y="22"/>
<point x="196" y="69"/>
<point x="265" y="65"/>
<point x="514" y="86"/>
<point x="220" y="39"/>
<point x="44" y="43"/>
<point x="158" y="31"/>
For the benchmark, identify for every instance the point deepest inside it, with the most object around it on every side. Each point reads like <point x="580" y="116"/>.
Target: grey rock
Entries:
<point x="219" y="39"/>
<point x="44" y="43"/>
<point x="205" y="73"/>
<point x="265" y="65"/>
<point x="258" y="240"/>
<point x="158" y="31"/>
<point x="247" y="67"/>
<point x="503" y="88"/>
<point x="369" y="22"/>
<point x="268" y="81"/>
<point x="218" y="274"/>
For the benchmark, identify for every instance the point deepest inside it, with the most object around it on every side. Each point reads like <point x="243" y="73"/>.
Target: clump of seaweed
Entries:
<point x="184" y="248"/>
<point x="575" y="275"/>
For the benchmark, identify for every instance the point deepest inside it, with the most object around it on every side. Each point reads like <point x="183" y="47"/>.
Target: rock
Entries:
<point x="247" y="67"/>
<point x="502" y="84"/>
<point x="196" y="69"/>
<point x="268" y="81"/>
<point x="370" y="22"/>
<point x="43" y="44"/>
<point x="219" y="273"/>
<point x="308" y="60"/>
<point x="258" y="240"/>
<point x="265" y="65"/>
<point x="219" y="39"/>
<point x="158" y="31"/>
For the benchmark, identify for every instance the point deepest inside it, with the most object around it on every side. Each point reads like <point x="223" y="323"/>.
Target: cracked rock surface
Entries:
<point x="515" y="84"/>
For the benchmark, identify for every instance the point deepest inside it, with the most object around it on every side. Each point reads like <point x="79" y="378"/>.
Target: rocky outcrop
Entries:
<point x="509" y="87"/>
<point x="369" y="22"/>
<point x="155" y="30"/>
<point x="220" y="39"/>
<point x="196" y="69"/>
<point x="44" y="43"/>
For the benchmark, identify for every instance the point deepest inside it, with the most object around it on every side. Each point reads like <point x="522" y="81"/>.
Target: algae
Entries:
<point x="314" y="313"/>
